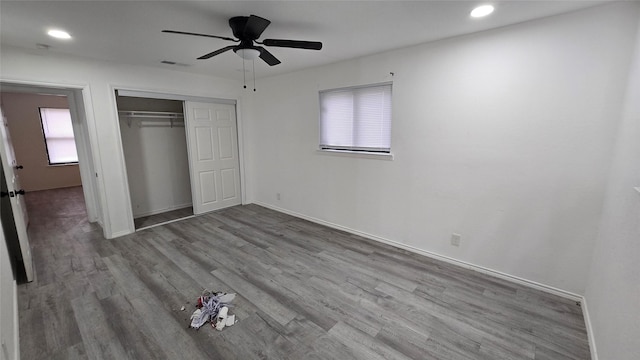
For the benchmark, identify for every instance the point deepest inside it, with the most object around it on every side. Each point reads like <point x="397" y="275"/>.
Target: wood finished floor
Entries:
<point x="305" y="292"/>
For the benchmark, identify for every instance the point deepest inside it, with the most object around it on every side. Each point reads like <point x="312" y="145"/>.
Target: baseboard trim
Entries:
<point x="118" y="234"/>
<point x="590" y="334"/>
<point x="450" y="260"/>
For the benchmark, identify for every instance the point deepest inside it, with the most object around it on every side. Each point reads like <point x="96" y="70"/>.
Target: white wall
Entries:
<point x="99" y="79"/>
<point x="156" y="158"/>
<point x="503" y="136"/>
<point x="8" y="305"/>
<point x="23" y="117"/>
<point x="613" y="288"/>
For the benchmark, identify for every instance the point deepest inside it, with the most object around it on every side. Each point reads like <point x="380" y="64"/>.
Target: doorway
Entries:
<point x="181" y="155"/>
<point x="155" y="151"/>
<point x="24" y="118"/>
<point x="75" y="101"/>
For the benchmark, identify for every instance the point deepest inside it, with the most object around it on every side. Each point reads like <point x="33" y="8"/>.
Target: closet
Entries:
<point x="181" y="156"/>
<point x="155" y="150"/>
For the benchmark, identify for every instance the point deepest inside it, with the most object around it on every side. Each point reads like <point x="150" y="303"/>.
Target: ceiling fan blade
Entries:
<point x="255" y="26"/>
<point x="267" y="56"/>
<point x="196" y="34"/>
<point x="298" y="44"/>
<point x="217" y="52"/>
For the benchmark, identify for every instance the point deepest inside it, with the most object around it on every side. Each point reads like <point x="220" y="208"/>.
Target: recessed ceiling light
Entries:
<point x="59" y="34"/>
<point x="482" y="10"/>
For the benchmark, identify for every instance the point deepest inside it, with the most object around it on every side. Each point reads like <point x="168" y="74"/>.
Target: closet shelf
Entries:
<point x="151" y="114"/>
<point x="153" y="118"/>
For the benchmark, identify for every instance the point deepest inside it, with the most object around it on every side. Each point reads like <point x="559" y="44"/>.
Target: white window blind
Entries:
<point x="58" y="136"/>
<point x="356" y="119"/>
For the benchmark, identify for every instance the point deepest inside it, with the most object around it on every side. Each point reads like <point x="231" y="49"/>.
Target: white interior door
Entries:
<point x="212" y="137"/>
<point x="16" y="196"/>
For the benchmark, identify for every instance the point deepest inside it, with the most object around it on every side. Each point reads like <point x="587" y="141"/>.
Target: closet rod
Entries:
<point x="151" y="114"/>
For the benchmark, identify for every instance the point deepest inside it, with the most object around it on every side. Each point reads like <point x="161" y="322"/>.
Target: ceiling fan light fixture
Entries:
<point x="481" y="11"/>
<point x="58" y="34"/>
<point x="248" y="54"/>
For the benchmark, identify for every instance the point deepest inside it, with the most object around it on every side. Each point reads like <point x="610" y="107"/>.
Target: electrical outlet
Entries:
<point x="277" y="196"/>
<point x="455" y="239"/>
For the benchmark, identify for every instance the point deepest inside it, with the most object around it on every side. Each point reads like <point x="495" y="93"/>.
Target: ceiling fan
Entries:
<point x="247" y="30"/>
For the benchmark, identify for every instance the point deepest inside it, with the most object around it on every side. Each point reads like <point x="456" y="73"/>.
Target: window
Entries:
<point x="58" y="136"/>
<point x="356" y="119"/>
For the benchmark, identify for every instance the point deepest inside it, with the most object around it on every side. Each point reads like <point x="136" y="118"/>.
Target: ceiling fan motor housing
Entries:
<point x="248" y="27"/>
<point x="237" y="24"/>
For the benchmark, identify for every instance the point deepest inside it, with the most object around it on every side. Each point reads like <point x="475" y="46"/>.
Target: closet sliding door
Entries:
<point x="214" y="165"/>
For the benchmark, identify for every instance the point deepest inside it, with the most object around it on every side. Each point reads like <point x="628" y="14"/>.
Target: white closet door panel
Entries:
<point x="204" y="143"/>
<point x="213" y="155"/>
<point x="208" y="187"/>
<point x="229" y="181"/>
<point x="225" y="142"/>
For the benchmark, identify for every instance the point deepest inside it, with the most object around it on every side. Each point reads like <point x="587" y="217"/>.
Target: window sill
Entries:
<point x="356" y="154"/>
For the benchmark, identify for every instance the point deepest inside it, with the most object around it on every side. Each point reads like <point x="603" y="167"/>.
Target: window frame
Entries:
<point x="46" y="143"/>
<point x="354" y="150"/>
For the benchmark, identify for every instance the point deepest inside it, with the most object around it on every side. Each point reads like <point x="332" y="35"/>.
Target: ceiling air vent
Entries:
<point x="167" y="62"/>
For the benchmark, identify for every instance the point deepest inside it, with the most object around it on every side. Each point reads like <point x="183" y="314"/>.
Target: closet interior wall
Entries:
<point x="155" y="150"/>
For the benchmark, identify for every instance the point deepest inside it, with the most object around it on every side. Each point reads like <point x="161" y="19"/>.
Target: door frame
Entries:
<point x="80" y="108"/>
<point x="9" y="296"/>
<point x="169" y="95"/>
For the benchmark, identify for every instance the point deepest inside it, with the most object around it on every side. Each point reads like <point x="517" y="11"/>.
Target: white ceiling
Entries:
<point x="130" y="31"/>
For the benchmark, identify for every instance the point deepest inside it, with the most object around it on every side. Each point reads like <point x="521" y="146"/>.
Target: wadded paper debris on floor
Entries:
<point x="213" y="308"/>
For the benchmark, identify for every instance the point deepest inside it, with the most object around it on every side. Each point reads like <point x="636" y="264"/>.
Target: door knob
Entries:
<point x="20" y="192"/>
<point x="18" y="167"/>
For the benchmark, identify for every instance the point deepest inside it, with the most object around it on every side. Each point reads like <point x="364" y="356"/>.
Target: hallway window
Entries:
<point x="58" y="136"/>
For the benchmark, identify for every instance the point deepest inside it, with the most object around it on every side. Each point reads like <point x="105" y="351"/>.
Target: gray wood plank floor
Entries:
<point x="304" y="292"/>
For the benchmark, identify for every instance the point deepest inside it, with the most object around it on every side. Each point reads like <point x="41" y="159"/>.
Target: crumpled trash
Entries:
<point x="222" y="318"/>
<point x="210" y="307"/>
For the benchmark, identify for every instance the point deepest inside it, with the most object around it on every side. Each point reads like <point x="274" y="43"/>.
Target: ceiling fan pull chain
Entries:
<point x="244" y="74"/>
<point x="254" y="74"/>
